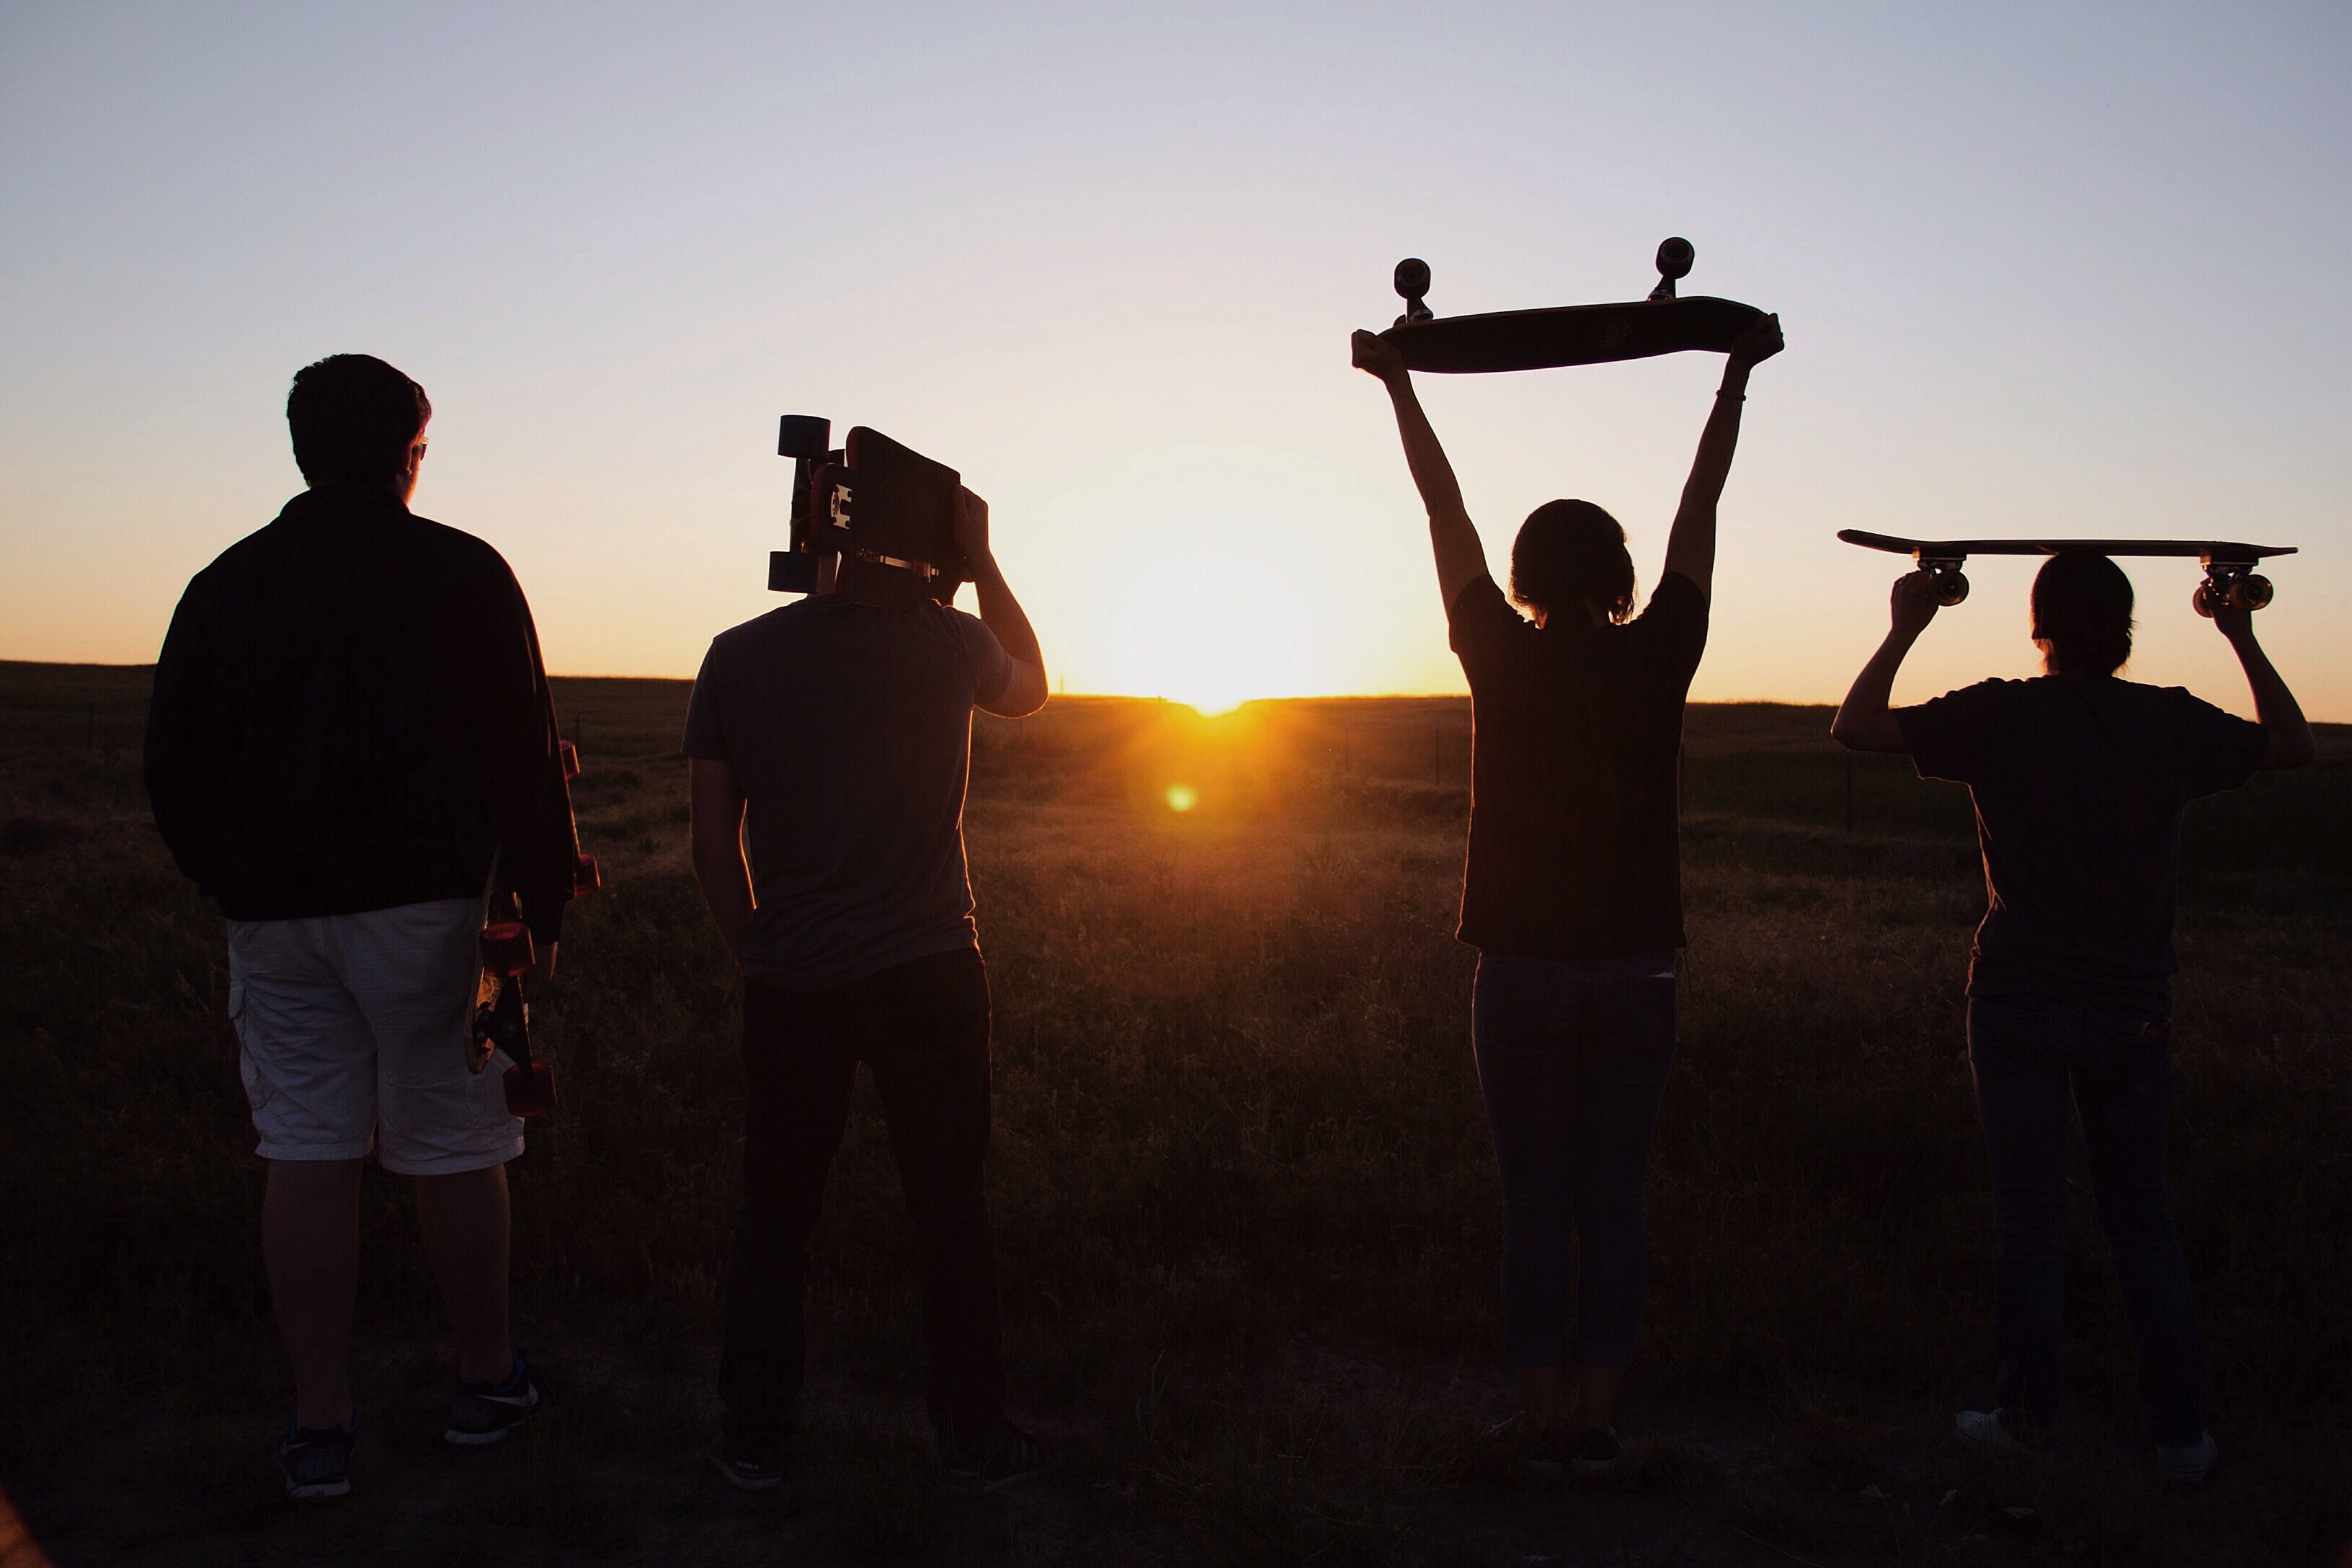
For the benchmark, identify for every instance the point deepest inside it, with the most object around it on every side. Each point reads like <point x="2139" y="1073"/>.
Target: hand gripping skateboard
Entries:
<point x="1572" y="335"/>
<point x="886" y="510"/>
<point x="2230" y="579"/>
<point x="502" y="1017"/>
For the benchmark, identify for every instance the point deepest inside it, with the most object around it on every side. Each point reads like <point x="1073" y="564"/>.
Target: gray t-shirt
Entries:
<point x="849" y="730"/>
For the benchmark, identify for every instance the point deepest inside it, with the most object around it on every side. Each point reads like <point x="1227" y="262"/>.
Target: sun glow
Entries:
<point x="1213" y="575"/>
<point x="1183" y="798"/>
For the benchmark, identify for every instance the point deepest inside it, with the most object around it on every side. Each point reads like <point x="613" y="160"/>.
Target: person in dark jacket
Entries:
<point x="2079" y="779"/>
<point x="1573" y="892"/>
<point x="350" y="730"/>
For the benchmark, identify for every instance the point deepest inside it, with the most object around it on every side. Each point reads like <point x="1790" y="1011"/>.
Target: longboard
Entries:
<point x="1568" y="334"/>
<point x="886" y="509"/>
<point x="2229" y="575"/>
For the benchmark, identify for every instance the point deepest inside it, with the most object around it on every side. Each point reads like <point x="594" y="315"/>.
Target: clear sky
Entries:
<point x="2074" y="270"/>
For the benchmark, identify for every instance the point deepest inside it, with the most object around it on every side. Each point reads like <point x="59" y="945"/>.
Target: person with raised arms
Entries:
<point x="2079" y="779"/>
<point x="1573" y="892"/>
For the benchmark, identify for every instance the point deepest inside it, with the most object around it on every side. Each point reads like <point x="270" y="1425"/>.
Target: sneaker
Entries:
<point x="1595" y="1451"/>
<point x="484" y="1413"/>
<point x="2191" y="1465"/>
<point x="1993" y="1432"/>
<point x="1532" y="1447"/>
<point x="749" y="1466"/>
<point x="317" y="1461"/>
<point x="1015" y="1456"/>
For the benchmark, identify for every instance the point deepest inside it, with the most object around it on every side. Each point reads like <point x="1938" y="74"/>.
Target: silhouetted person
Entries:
<point x="349" y="729"/>
<point x="1572" y="893"/>
<point x="834" y="739"/>
<point x="2079" y="779"/>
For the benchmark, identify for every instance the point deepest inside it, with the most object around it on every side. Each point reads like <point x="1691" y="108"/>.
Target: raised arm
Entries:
<point x="1461" y="558"/>
<point x="2291" y="741"/>
<point x="1690" y="548"/>
<point x="1001" y="613"/>
<point x="1864" y="723"/>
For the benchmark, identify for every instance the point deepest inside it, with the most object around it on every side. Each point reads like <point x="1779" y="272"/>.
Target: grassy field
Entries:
<point x="1245" y="1204"/>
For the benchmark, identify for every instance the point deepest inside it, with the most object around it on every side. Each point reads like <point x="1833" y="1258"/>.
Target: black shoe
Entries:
<point x="317" y="1461"/>
<point x="751" y="1466"/>
<point x="484" y="1413"/>
<point x="1595" y="1451"/>
<point x="1530" y="1446"/>
<point x="1014" y="1457"/>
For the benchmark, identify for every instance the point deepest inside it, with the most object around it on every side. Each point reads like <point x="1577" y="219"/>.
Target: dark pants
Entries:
<point x="2115" y="1065"/>
<point x="922" y="1030"/>
<point x="1572" y="1057"/>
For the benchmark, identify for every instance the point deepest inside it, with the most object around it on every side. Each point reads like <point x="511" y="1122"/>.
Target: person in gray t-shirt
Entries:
<point x="832" y="741"/>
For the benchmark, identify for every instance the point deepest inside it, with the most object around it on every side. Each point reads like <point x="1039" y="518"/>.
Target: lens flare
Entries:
<point x="1182" y="797"/>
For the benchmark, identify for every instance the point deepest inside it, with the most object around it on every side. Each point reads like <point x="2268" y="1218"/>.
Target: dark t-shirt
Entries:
<point x="2079" y="784"/>
<point x="1573" y="843"/>
<point x="849" y="730"/>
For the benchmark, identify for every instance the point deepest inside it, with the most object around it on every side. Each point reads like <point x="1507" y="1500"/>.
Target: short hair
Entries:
<point x="1569" y="551"/>
<point x="353" y="418"/>
<point x="2083" y="613"/>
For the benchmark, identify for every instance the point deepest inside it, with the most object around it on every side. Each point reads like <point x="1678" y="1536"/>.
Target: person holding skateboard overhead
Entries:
<point x="833" y="739"/>
<point x="1572" y="893"/>
<point x="349" y="729"/>
<point x="2079" y="778"/>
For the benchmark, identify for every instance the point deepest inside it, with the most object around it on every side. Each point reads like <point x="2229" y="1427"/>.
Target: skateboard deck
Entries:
<point x="885" y="509"/>
<point x="1568" y="334"/>
<point x="2229" y="575"/>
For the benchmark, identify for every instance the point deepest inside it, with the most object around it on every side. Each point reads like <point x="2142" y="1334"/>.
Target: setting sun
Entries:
<point x="1182" y="797"/>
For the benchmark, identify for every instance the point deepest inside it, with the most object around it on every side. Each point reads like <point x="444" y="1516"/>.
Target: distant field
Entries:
<point x="1244" y="1196"/>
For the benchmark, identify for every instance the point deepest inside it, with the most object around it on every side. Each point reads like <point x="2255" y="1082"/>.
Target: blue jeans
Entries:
<point x="1572" y="1058"/>
<point x="2114" y="1064"/>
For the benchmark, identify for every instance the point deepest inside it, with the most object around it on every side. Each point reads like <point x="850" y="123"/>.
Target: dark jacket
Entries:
<point x="349" y="713"/>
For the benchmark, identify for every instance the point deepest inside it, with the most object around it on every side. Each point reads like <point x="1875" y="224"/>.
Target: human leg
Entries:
<point x="1523" y="1075"/>
<point x="308" y="1062"/>
<point x="1625" y="1051"/>
<point x="311" y="1247"/>
<point x="412" y="970"/>
<point x="2125" y="1101"/>
<point x="929" y="1051"/>
<point x="2019" y="1056"/>
<point x="797" y="1072"/>
<point x="463" y="1220"/>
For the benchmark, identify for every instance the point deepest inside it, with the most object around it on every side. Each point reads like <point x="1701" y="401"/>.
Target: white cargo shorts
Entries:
<point x="353" y="1031"/>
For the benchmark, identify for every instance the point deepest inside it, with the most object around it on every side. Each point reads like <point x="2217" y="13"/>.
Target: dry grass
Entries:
<point x="1246" y="1206"/>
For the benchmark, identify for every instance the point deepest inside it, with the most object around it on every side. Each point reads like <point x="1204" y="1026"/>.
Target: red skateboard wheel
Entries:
<point x="570" y="755"/>
<point x="506" y="949"/>
<point x="585" y="880"/>
<point x="531" y="1089"/>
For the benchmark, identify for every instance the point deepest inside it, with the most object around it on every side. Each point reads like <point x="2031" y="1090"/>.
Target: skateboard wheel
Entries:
<point x="1951" y="587"/>
<point x="2202" y="600"/>
<point x="585" y="880"/>
<point x="1674" y="257"/>
<point x="570" y="755"/>
<point x="506" y="949"/>
<point x="531" y="1089"/>
<point x="2251" y="592"/>
<point x="1413" y="279"/>
<point x="804" y="435"/>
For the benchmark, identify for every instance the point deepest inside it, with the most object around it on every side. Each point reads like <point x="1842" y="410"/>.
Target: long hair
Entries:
<point x="1569" y="551"/>
<point x="2083" y="614"/>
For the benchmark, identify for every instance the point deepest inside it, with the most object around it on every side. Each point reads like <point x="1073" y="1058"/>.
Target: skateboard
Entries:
<point x="501" y="1018"/>
<point x="2230" y="579"/>
<point x="886" y="509"/>
<point x="1572" y="334"/>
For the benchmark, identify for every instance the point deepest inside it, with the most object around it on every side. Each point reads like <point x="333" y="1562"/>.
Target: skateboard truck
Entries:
<point x="1660" y="323"/>
<point x="2231" y="581"/>
<point x="884" y="511"/>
